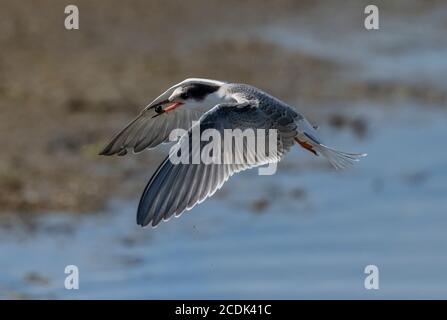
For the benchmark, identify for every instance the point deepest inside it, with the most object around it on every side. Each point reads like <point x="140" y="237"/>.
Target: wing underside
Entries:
<point x="178" y="187"/>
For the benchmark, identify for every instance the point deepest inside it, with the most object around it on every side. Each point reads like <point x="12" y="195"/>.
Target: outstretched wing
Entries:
<point x="145" y="131"/>
<point x="178" y="187"/>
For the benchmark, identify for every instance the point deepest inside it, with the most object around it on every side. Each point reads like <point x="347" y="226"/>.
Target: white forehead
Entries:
<point x="177" y="91"/>
<point x="201" y="80"/>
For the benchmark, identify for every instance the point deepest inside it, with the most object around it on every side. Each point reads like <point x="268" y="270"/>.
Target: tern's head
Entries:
<point x="191" y="93"/>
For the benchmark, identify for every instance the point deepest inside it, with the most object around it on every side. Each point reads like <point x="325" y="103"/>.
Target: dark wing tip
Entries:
<point x="141" y="222"/>
<point x="105" y="152"/>
<point x="109" y="150"/>
<point x="143" y="219"/>
<point x="141" y="215"/>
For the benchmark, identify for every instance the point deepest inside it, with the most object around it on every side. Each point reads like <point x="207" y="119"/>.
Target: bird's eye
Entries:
<point x="184" y="95"/>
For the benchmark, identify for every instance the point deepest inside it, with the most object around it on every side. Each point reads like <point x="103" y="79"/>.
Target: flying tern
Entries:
<point x="218" y="105"/>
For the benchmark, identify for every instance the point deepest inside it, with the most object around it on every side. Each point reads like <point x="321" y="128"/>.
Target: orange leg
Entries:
<point x="306" y="146"/>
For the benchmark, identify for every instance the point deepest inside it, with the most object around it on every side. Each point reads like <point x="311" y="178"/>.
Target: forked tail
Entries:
<point x="339" y="159"/>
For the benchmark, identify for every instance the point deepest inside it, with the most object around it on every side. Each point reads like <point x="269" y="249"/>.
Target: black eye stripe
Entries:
<point x="198" y="91"/>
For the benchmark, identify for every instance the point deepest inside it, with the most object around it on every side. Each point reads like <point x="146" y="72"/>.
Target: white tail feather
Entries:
<point x="339" y="159"/>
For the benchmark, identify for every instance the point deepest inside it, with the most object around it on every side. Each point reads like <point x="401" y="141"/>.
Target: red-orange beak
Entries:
<point x="173" y="106"/>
